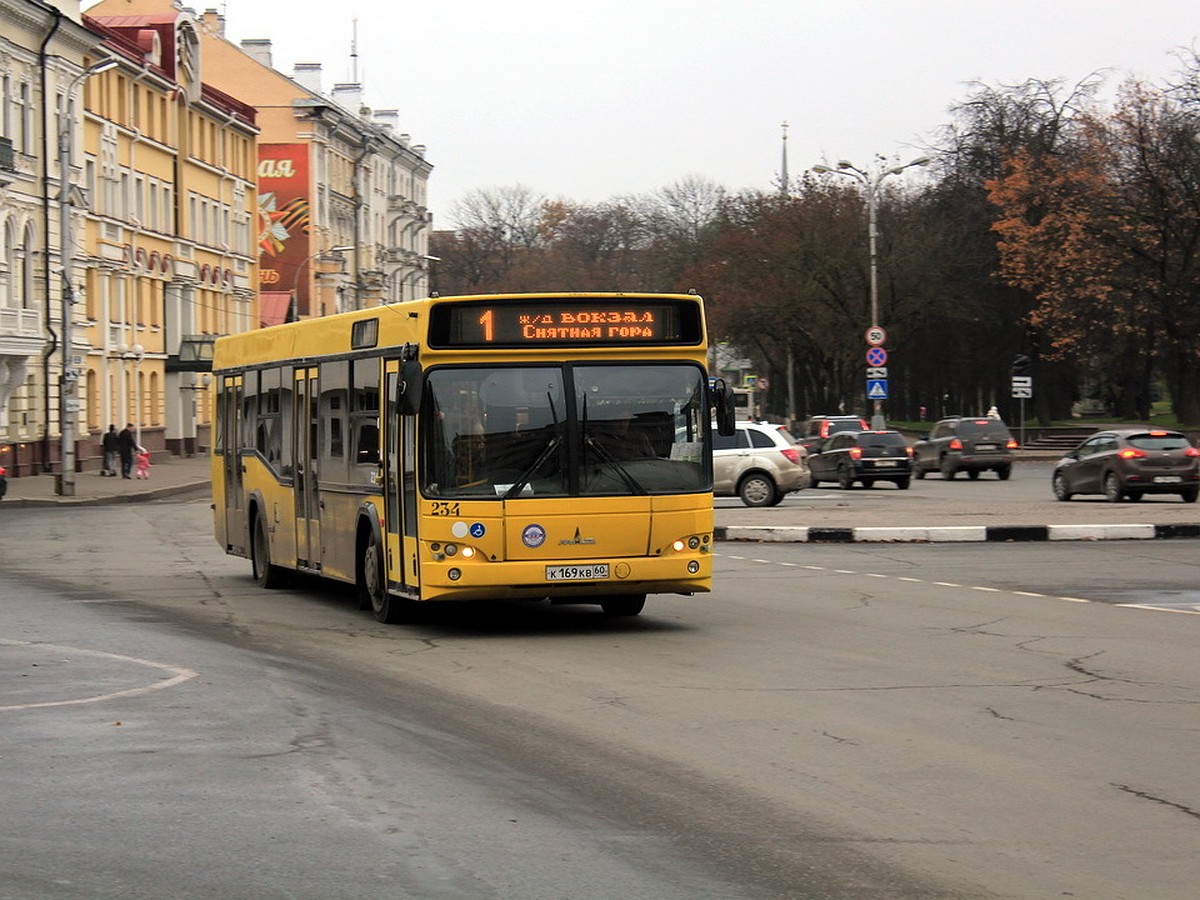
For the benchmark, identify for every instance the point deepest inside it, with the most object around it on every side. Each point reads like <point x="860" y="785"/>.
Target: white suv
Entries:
<point x="759" y="463"/>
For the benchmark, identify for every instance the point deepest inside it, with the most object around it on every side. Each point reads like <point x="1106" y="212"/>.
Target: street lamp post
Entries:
<point x="68" y="402"/>
<point x="295" y="311"/>
<point x="871" y="182"/>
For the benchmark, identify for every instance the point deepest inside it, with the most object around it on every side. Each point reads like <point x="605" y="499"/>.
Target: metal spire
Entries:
<point x="783" y="174"/>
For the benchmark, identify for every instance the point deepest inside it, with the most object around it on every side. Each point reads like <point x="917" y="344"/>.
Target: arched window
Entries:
<point x="93" y="400"/>
<point x="155" y="400"/>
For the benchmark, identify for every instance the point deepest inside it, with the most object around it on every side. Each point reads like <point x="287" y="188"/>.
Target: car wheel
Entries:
<point x="1061" y="491"/>
<point x="973" y="474"/>
<point x="845" y="482"/>
<point x="1135" y="496"/>
<point x="1189" y="495"/>
<point x="757" y="490"/>
<point x="1112" y="487"/>
<point x="1004" y="473"/>
<point x="948" y="469"/>
<point x="868" y="483"/>
<point x="902" y="483"/>
<point x="920" y="473"/>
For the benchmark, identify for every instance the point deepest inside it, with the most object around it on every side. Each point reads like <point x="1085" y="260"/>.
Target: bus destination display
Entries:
<point x="564" y="323"/>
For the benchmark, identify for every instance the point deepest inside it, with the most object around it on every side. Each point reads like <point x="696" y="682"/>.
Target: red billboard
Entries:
<point x="284" y="221"/>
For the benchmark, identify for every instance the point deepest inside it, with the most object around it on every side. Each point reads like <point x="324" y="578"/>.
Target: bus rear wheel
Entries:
<point x="266" y="574"/>
<point x="624" y="605"/>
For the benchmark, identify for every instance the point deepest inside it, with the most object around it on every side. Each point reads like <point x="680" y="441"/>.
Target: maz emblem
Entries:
<point x="578" y="539"/>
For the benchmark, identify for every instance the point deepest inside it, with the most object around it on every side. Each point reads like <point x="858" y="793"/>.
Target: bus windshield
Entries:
<point x="565" y="430"/>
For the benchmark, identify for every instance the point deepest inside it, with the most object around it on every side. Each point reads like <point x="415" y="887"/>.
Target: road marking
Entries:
<point x="1190" y="609"/>
<point x="179" y="675"/>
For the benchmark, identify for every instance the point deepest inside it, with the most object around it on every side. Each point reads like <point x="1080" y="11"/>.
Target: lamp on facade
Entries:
<point x="68" y="399"/>
<point x="295" y="313"/>
<point x="871" y="182"/>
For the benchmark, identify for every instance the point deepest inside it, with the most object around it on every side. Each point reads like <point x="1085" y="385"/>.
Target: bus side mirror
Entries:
<point x="412" y="377"/>
<point x="722" y="402"/>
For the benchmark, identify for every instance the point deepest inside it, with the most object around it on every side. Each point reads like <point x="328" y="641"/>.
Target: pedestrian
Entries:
<point x="111" y="444"/>
<point x="143" y="463"/>
<point x="126" y="444"/>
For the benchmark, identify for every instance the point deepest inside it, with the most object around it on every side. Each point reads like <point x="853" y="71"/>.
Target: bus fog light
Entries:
<point x="454" y="574"/>
<point x="693" y="566"/>
<point x="677" y="546"/>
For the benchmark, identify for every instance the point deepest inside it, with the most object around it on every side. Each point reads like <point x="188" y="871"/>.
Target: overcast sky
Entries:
<point x="589" y="101"/>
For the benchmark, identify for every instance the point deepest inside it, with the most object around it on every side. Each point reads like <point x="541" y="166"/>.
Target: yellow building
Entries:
<point x="342" y="219"/>
<point x="168" y="170"/>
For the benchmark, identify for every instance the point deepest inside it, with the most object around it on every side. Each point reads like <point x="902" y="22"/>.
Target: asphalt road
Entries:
<point x="1025" y="499"/>
<point x="834" y="721"/>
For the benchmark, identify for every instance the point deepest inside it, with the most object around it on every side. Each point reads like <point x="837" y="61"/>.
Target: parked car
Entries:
<point x="760" y="463"/>
<point x="1130" y="462"/>
<point x="965" y="444"/>
<point x="818" y="429"/>
<point x="866" y="456"/>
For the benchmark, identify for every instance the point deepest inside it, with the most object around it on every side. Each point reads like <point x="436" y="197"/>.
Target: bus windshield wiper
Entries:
<point x="551" y="446"/>
<point x="519" y="484"/>
<point x="630" y="481"/>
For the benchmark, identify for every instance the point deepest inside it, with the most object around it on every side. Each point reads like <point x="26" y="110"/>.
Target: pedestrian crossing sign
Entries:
<point x="877" y="389"/>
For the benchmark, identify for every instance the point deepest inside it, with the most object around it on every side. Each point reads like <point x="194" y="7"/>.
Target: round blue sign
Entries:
<point x="478" y="530"/>
<point x="876" y="356"/>
<point x="533" y="536"/>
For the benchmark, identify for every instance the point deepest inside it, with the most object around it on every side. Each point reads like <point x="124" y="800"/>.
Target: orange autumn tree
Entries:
<point x="1106" y="235"/>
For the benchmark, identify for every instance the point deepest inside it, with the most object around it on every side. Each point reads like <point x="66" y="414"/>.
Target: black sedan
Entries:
<point x="866" y="456"/>
<point x="1130" y="462"/>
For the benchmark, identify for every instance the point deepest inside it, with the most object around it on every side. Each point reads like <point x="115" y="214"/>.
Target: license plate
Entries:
<point x="1167" y="479"/>
<point x="879" y="463"/>
<point x="593" y="572"/>
<point x="985" y="446"/>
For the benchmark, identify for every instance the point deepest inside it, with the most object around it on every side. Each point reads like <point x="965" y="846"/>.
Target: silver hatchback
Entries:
<point x="759" y="463"/>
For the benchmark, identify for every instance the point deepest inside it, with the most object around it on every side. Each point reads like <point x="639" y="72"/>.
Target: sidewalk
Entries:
<point x="175" y="475"/>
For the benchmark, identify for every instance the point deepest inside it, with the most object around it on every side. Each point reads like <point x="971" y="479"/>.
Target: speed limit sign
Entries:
<point x="876" y="336"/>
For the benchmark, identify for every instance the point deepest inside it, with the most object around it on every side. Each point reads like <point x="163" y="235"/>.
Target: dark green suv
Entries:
<point x="965" y="444"/>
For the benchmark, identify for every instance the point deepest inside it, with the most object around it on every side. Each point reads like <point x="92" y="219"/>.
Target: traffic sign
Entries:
<point x="877" y="371"/>
<point x="876" y="336"/>
<point x="1022" y="387"/>
<point x="877" y="389"/>
<point x="876" y="356"/>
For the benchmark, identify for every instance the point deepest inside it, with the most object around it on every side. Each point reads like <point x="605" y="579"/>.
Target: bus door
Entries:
<point x="229" y="408"/>
<point x="400" y="496"/>
<point x="307" y="480"/>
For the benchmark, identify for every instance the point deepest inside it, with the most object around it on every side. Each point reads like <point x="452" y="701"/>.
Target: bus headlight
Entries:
<point x="677" y="546"/>
<point x="468" y="552"/>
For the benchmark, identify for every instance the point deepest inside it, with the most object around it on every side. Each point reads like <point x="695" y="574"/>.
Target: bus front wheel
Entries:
<point x="624" y="605"/>
<point x="266" y="573"/>
<point x="372" y="585"/>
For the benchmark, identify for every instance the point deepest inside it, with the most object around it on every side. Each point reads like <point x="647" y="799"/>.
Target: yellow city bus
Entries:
<point x="549" y="446"/>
